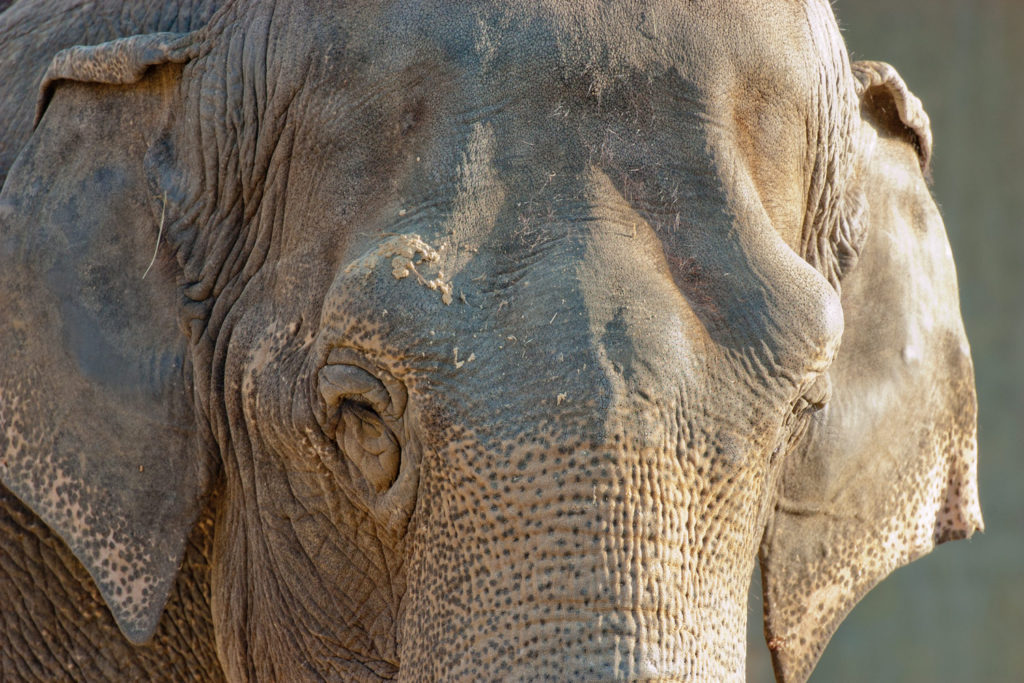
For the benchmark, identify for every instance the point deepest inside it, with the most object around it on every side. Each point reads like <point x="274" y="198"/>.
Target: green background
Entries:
<point x="956" y="615"/>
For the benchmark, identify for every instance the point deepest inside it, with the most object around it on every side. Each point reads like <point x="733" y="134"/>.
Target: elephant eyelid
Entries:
<point x="338" y="382"/>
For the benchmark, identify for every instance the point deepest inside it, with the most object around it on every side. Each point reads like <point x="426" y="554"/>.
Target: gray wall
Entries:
<point x="957" y="615"/>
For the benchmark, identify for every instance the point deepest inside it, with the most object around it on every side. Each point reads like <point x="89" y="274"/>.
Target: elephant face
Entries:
<point x="499" y="333"/>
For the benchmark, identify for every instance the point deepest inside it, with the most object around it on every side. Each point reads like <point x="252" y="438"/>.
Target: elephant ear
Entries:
<point x="97" y="433"/>
<point x="887" y="469"/>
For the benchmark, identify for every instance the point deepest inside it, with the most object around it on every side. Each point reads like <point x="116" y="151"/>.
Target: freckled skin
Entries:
<point x="50" y="598"/>
<point x="483" y="342"/>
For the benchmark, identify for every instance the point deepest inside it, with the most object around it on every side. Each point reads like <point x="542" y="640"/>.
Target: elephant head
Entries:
<point x="504" y="335"/>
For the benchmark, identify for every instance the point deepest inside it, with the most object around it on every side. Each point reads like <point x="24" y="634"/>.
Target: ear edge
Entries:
<point x="117" y="62"/>
<point x="879" y="84"/>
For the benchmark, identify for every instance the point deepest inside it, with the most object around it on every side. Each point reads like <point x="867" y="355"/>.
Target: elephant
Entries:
<point x="462" y="341"/>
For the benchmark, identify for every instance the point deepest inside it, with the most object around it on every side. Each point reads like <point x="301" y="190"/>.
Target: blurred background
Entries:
<point x="956" y="615"/>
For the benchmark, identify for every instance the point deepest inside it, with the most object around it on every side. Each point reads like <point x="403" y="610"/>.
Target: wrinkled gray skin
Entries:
<point x="479" y="342"/>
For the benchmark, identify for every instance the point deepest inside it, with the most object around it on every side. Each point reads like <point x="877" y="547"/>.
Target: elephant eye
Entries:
<point x="361" y="413"/>
<point x="369" y="444"/>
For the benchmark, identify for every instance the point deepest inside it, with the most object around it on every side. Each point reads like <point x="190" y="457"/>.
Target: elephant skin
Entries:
<point x="465" y="341"/>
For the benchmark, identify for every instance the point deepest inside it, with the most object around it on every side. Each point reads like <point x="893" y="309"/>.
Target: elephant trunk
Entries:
<point x="585" y="563"/>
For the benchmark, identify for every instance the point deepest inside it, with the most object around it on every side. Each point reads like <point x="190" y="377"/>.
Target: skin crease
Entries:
<point x="480" y="341"/>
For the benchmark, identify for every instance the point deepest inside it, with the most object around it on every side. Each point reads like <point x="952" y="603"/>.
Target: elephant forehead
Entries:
<point x="754" y="60"/>
<point x="469" y="111"/>
<point x="588" y="38"/>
